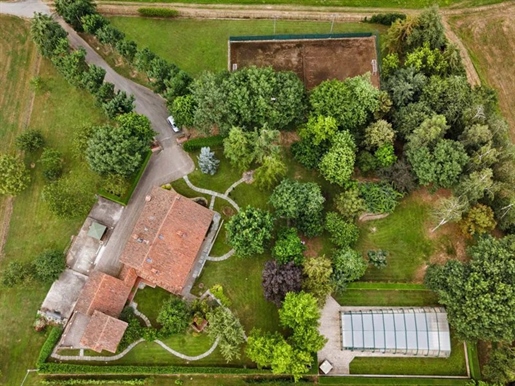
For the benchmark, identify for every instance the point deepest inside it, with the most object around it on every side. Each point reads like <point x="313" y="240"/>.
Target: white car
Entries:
<point x="172" y="123"/>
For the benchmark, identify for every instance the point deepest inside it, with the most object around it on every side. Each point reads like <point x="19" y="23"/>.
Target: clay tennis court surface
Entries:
<point x="313" y="60"/>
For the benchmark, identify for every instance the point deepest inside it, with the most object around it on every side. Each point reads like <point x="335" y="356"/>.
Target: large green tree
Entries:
<point x="226" y="327"/>
<point x="351" y="103"/>
<point x="46" y="33"/>
<point x="479" y="295"/>
<point x="337" y="165"/>
<point x="14" y="177"/>
<point x="174" y="316"/>
<point x="68" y="198"/>
<point x="49" y="264"/>
<point x="318" y="272"/>
<point x="120" y="149"/>
<point x="249" y="230"/>
<point x="72" y="11"/>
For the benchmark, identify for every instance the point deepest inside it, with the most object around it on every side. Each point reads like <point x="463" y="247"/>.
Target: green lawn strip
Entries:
<point x="412" y="4"/>
<point x="391" y="381"/>
<point x="402" y="235"/>
<point x="386" y="298"/>
<point x="454" y="365"/>
<point x="150" y="301"/>
<point x="58" y="110"/>
<point x="475" y="368"/>
<point x="387" y="286"/>
<point x="199" y="45"/>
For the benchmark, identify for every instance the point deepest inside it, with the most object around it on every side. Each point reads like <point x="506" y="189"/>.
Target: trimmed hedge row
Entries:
<point x="83" y="381"/>
<point x="158" y="12"/>
<point x="48" y="346"/>
<point x="198" y="143"/>
<point x="66" y="368"/>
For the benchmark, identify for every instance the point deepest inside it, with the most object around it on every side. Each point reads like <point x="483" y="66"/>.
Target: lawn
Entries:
<point x="343" y="3"/>
<point x="199" y="45"/>
<point x="402" y="235"/>
<point x="387" y="298"/>
<point x="58" y="109"/>
<point x="454" y="365"/>
<point x="490" y="40"/>
<point x="150" y="301"/>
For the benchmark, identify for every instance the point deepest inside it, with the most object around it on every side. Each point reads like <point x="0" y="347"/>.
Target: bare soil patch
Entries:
<point x="313" y="60"/>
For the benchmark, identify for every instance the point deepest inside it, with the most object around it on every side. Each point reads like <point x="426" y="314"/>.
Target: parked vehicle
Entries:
<point x="172" y="123"/>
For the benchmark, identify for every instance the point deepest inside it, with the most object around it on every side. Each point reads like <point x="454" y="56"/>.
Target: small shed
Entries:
<point x="96" y="230"/>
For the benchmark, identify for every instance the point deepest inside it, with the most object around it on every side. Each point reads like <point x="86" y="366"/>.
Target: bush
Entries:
<point x="207" y="161"/>
<point x="289" y="247"/>
<point x="377" y="258"/>
<point x="198" y="143"/>
<point x="85" y="381"/>
<point x="218" y="292"/>
<point x="17" y="273"/>
<point x="175" y="317"/>
<point x="30" y="141"/>
<point x="343" y="233"/>
<point x="49" y="264"/>
<point x="385" y="18"/>
<point x="48" y="346"/>
<point x="116" y="185"/>
<point x="52" y="161"/>
<point x="379" y="198"/>
<point x="158" y="12"/>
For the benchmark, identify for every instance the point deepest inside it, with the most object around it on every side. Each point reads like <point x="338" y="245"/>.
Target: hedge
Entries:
<point x="83" y="381"/>
<point x="66" y="368"/>
<point x="385" y="18"/>
<point x="127" y="196"/>
<point x="158" y="12"/>
<point x="197" y="143"/>
<point x="48" y="346"/>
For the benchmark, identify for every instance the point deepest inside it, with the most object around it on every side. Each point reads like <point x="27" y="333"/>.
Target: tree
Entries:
<point x="378" y="134"/>
<point x="337" y="165"/>
<point x="405" y="86"/>
<point x="500" y="367"/>
<point x="211" y="105"/>
<point x="249" y="230"/>
<point x="299" y="311"/>
<point x="93" y="78"/>
<point x="348" y="266"/>
<point x="46" y="33"/>
<point x="239" y="148"/>
<point x="52" y="162"/>
<point x="30" y="141"/>
<point x="288" y="247"/>
<point x="143" y="58"/>
<point x="280" y="279"/>
<point x="121" y="103"/>
<point x="177" y="85"/>
<point x="343" y="233"/>
<point x="407" y="118"/>
<point x="385" y="156"/>
<point x="207" y="161"/>
<point x="158" y="72"/>
<point x="429" y="29"/>
<point x="318" y="272"/>
<point x="479" y="295"/>
<point x="301" y="202"/>
<point x="71" y="63"/>
<point x="120" y="150"/>
<point x="105" y="93"/>
<point x="272" y="169"/>
<point x="127" y="48"/>
<point x="399" y="175"/>
<point x="183" y="110"/>
<point x="108" y="34"/>
<point x="350" y="204"/>
<point x="72" y="11"/>
<point x="449" y="210"/>
<point x="49" y="265"/>
<point x="427" y="61"/>
<point x="17" y="273"/>
<point x="91" y="23"/>
<point x="479" y="220"/>
<point x="67" y="198"/>
<point x="223" y="325"/>
<point x="319" y="129"/>
<point x="174" y="316"/>
<point x="477" y="185"/>
<point x="351" y="103"/>
<point x="266" y="144"/>
<point x="14" y="177"/>
<point x="307" y="154"/>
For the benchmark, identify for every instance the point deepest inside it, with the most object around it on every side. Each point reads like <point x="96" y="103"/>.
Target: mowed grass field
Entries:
<point x="413" y="4"/>
<point x="199" y="45"/>
<point x="490" y="40"/>
<point x="58" y="110"/>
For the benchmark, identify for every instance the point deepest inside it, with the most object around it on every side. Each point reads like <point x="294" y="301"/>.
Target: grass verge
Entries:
<point x="387" y="298"/>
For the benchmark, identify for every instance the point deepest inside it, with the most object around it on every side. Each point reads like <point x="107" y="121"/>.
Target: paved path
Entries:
<point x="221" y="258"/>
<point x="212" y="192"/>
<point x="140" y="314"/>
<point x="187" y="357"/>
<point x="96" y="358"/>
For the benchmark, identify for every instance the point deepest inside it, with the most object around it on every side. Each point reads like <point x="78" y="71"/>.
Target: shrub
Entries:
<point x="17" y="273"/>
<point x="158" y="12"/>
<point x="198" y="143"/>
<point x="379" y="198"/>
<point x="207" y="161"/>
<point x="116" y="185"/>
<point x="289" y="247"/>
<point x="30" y="141"/>
<point x="175" y="316"/>
<point x="377" y="258"/>
<point x="343" y="233"/>
<point x="385" y="18"/>
<point x="218" y="292"/>
<point x="52" y="162"/>
<point x="348" y="266"/>
<point x="279" y="279"/>
<point x="49" y="264"/>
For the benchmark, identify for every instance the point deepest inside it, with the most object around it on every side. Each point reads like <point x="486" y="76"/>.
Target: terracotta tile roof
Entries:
<point x="103" y="332"/>
<point x="166" y="239"/>
<point x="103" y="293"/>
<point x="128" y="275"/>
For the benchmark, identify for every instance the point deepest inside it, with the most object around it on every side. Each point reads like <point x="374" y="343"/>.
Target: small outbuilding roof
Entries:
<point x="96" y="230"/>
<point x="103" y="332"/>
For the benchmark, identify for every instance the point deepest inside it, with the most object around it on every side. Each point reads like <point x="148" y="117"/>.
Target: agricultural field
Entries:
<point x="57" y="111"/>
<point x="200" y="45"/>
<point x="490" y="40"/>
